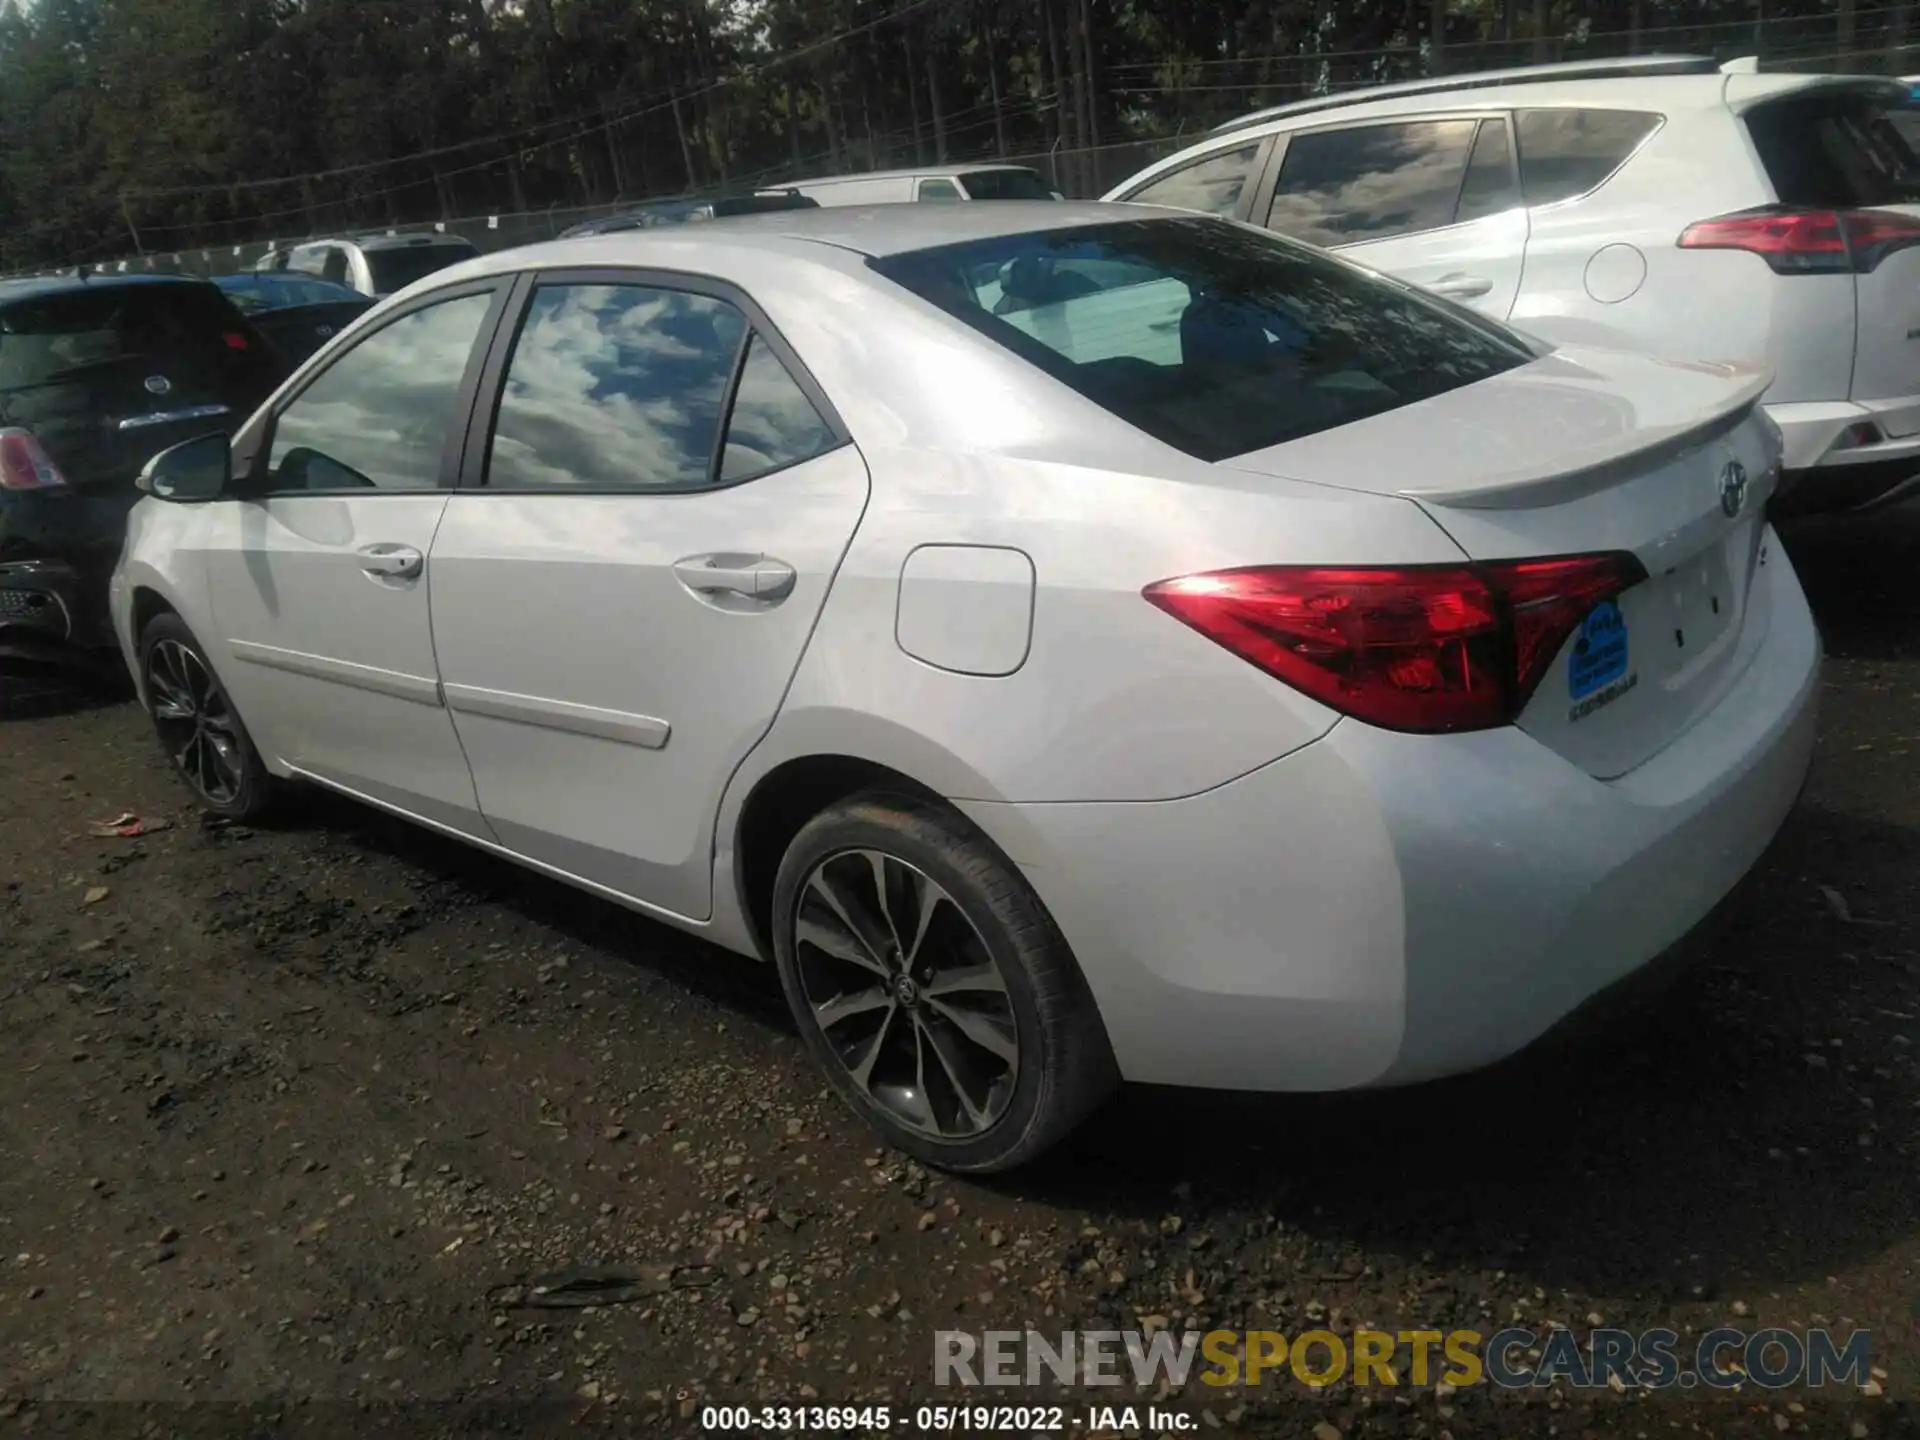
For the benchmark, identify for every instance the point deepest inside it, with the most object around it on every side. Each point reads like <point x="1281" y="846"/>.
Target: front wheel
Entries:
<point x="197" y="724"/>
<point x="929" y="982"/>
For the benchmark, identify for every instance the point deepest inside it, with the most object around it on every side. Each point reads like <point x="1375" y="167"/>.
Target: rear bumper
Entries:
<point x="1379" y="908"/>
<point x="1824" y="475"/>
<point x="52" y="612"/>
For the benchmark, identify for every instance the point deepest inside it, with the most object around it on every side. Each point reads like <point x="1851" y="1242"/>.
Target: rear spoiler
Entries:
<point x="1599" y="466"/>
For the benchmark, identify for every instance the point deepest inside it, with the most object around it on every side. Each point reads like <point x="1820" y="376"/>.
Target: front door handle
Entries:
<point x="1461" y="287"/>
<point x="391" y="562"/>
<point x="752" y="577"/>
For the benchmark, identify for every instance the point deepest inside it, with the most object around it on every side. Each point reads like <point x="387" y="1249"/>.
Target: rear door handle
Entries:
<point x="752" y="577"/>
<point x="1461" y="287"/>
<point x="393" y="562"/>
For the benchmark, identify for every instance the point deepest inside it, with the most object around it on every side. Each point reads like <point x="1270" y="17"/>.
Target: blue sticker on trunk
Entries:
<point x="1599" y="651"/>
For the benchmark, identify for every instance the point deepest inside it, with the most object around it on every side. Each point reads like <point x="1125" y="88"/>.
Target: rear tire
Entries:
<point x="949" y="1014"/>
<point x="197" y="724"/>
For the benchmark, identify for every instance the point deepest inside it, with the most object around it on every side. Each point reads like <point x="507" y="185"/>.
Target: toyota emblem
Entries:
<point x="1733" y="488"/>
<point x="158" y="385"/>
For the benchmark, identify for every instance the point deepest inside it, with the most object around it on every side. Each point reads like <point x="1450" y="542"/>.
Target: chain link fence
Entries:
<point x="1077" y="174"/>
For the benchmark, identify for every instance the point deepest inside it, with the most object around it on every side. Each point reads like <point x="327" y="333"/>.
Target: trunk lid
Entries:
<point x="1586" y="451"/>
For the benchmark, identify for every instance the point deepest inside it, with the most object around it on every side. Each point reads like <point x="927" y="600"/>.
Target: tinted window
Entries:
<point x="1833" y="150"/>
<point x="1906" y="124"/>
<point x="1564" y="153"/>
<point x="1007" y="185"/>
<point x="615" y="387"/>
<point x="1212" y="185"/>
<point x="1338" y="187"/>
<point x="377" y="418"/>
<point x="333" y="265"/>
<point x="1489" y="188"/>
<point x="397" y="269"/>
<point x="938" y="190"/>
<point x="1216" y="339"/>
<point x="116" y="336"/>
<point x="772" y="423"/>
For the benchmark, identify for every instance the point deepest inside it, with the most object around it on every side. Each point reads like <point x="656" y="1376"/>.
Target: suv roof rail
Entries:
<point x="1522" y="75"/>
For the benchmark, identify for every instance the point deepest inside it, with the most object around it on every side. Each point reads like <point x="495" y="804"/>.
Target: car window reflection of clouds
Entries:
<point x="615" y="386"/>
<point x="383" y="410"/>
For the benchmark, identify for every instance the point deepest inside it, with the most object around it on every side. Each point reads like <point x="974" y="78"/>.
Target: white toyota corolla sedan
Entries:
<point x="1073" y="642"/>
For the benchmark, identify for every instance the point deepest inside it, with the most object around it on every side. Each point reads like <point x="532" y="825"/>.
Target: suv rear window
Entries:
<point x="396" y="269"/>
<point x="1564" y="153"/>
<point x="188" y="330"/>
<point x="1214" y="338"/>
<point x="1006" y="185"/>
<point x="1833" y="151"/>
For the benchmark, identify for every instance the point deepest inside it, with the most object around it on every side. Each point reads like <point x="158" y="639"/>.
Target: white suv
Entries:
<point x="1663" y="204"/>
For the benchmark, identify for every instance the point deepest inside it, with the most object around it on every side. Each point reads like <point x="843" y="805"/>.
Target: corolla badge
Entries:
<point x="1733" y="488"/>
<point x="158" y="384"/>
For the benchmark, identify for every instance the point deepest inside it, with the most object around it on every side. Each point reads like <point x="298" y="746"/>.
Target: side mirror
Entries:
<point x="191" y="471"/>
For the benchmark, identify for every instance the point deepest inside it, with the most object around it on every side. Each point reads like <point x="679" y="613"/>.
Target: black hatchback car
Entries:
<point x="96" y="376"/>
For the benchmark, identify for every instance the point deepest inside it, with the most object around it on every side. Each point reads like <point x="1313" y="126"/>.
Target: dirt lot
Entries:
<point x="291" y="1115"/>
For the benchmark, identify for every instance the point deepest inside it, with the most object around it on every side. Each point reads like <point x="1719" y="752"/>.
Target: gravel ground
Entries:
<point x="292" y="1116"/>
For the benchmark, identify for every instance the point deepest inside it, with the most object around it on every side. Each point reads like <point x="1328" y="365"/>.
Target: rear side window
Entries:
<point x="938" y="189"/>
<point x="1564" y="153"/>
<point x="1214" y="338"/>
<point x="188" y="334"/>
<point x="1835" y="151"/>
<point x="1211" y="186"/>
<point x="626" y="387"/>
<point x="1007" y="185"/>
<point x="397" y="269"/>
<point x="1339" y="187"/>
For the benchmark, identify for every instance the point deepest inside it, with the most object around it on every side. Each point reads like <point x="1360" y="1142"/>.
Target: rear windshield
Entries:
<point x="1006" y="185"/>
<point x="397" y="269"/>
<point x="1834" y="150"/>
<point x="1215" y="338"/>
<point x="183" y="330"/>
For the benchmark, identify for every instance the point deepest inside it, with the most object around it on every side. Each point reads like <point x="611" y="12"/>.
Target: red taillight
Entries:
<point x="25" y="464"/>
<point x="1425" y="648"/>
<point x="1808" y="242"/>
<point x="235" y="340"/>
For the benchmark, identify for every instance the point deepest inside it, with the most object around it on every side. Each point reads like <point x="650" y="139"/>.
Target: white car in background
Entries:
<point x="1666" y="204"/>
<point x="1072" y="642"/>
<point x="376" y="265"/>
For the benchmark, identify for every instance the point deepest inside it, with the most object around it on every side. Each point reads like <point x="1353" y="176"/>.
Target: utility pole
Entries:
<point x="126" y="213"/>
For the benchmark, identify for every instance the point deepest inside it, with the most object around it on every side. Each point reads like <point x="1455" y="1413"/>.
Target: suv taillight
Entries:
<point x="1808" y="242"/>
<point x="1429" y="649"/>
<point x="25" y="464"/>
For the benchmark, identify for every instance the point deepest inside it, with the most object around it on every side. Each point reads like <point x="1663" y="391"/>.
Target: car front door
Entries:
<point x="317" y="574"/>
<point x="625" y="581"/>
<point x="1435" y="202"/>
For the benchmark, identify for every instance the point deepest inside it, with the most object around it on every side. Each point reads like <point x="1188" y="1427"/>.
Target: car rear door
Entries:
<point x="1433" y="200"/>
<point x="1836" y="149"/>
<point x="648" y="522"/>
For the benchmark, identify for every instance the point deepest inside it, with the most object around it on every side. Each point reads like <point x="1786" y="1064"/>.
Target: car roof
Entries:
<point x="1668" y="84"/>
<point x="378" y="242"/>
<point x="867" y="230"/>
<point x="42" y="286"/>
<point x="969" y="167"/>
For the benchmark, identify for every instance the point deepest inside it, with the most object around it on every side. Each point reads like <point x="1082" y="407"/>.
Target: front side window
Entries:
<point x="377" y="418"/>
<point x="1489" y="188"/>
<point x="1340" y="187"/>
<point x="628" y="387"/>
<point x="1564" y="153"/>
<point x="1212" y="186"/>
<point x="1211" y="337"/>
